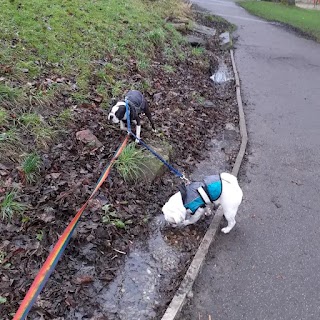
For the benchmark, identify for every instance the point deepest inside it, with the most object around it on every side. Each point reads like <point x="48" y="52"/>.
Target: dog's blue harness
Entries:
<point x="198" y="194"/>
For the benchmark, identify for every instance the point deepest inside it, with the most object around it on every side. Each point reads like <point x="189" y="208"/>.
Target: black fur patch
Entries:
<point x="121" y="112"/>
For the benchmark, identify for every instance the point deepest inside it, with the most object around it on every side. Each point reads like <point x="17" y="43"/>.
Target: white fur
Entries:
<point x="113" y="111"/>
<point x="112" y="115"/>
<point x="230" y="200"/>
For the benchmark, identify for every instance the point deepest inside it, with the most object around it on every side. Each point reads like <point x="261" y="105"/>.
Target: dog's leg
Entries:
<point x="230" y="215"/>
<point x="208" y="211"/>
<point x="194" y="217"/>
<point x="148" y="114"/>
<point x="122" y="126"/>
<point x="138" y="129"/>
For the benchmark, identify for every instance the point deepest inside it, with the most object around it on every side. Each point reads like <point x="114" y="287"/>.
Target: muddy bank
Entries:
<point x="109" y="272"/>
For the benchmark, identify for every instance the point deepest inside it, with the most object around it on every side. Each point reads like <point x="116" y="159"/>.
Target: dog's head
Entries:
<point x="117" y="112"/>
<point x="174" y="210"/>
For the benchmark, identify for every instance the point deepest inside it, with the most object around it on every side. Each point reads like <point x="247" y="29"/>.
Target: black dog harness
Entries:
<point x="137" y="103"/>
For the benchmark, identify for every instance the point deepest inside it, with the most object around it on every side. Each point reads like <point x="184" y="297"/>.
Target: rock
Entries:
<point x="157" y="97"/>
<point x="210" y="32"/>
<point x="230" y="132"/>
<point x="195" y="41"/>
<point x="208" y="104"/>
<point x="153" y="166"/>
<point x="230" y="126"/>
<point x="182" y="27"/>
<point x="87" y="137"/>
<point x="225" y="40"/>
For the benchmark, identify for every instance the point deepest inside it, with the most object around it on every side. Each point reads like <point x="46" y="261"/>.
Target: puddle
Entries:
<point x="146" y="282"/>
<point x="149" y="269"/>
<point x="223" y="74"/>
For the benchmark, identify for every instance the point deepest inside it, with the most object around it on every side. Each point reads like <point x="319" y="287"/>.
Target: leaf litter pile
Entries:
<point x="119" y="215"/>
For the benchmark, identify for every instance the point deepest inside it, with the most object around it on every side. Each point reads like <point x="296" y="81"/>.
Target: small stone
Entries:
<point x="157" y="97"/>
<point x="208" y="104"/>
<point x="25" y="70"/>
<point x="225" y="40"/>
<point x="195" y="41"/>
<point x="153" y="166"/>
<point x="204" y="30"/>
<point x="182" y="27"/>
<point x="86" y="136"/>
<point x="230" y="126"/>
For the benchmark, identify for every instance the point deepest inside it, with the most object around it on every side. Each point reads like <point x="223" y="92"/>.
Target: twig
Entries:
<point x="118" y="251"/>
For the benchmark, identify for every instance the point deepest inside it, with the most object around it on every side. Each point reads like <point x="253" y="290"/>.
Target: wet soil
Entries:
<point x="120" y="273"/>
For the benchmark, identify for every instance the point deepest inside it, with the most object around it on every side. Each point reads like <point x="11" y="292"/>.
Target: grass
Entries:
<point x="130" y="163"/>
<point x="169" y="69"/>
<point x="10" y="146"/>
<point x="305" y="20"/>
<point x="30" y="166"/>
<point x="88" y="43"/>
<point x="198" y="51"/>
<point x="9" y="206"/>
<point x="3" y="116"/>
<point x="7" y="93"/>
<point x="40" y="130"/>
<point x="69" y="36"/>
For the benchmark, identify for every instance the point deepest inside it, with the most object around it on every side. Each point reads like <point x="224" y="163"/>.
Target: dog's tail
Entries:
<point x="228" y="177"/>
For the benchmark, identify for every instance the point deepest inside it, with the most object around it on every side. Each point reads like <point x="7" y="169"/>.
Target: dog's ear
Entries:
<point x="113" y="102"/>
<point x="120" y="112"/>
<point x="183" y="190"/>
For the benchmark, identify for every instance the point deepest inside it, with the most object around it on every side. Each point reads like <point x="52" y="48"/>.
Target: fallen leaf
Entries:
<point x="84" y="279"/>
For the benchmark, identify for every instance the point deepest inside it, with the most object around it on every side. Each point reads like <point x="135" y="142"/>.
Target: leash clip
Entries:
<point x="183" y="177"/>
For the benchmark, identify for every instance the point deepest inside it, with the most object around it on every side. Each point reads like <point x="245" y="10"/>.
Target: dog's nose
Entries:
<point x="110" y="117"/>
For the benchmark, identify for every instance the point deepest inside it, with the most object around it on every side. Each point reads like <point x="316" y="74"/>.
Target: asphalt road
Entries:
<point x="268" y="267"/>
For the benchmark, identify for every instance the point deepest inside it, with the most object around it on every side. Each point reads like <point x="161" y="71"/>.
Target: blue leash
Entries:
<point x="172" y="169"/>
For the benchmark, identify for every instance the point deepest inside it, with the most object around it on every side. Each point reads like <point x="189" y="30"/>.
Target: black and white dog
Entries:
<point x="138" y="105"/>
<point x="191" y="202"/>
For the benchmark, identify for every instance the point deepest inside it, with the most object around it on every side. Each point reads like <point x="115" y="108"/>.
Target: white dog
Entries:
<point x="191" y="202"/>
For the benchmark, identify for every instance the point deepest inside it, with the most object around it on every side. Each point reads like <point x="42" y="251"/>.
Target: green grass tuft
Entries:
<point x="30" y="120"/>
<point x="130" y="163"/>
<point x="43" y="134"/>
<point x="169" y="69"/>
<point x="30" y="166"/>
<point x="9" y="206"/>
<point x="3" y="116"/>
<point x="198" y="51"/>
<point x="157" y="36"/>
<point x="7" y="93"/>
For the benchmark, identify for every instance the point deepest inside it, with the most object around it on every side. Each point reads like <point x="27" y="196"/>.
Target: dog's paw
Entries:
<point x="137" y="141"/>
<point x="226" y="230"/>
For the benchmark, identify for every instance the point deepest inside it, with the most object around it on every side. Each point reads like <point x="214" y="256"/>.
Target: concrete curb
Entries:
<point x="185" y="289"/>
